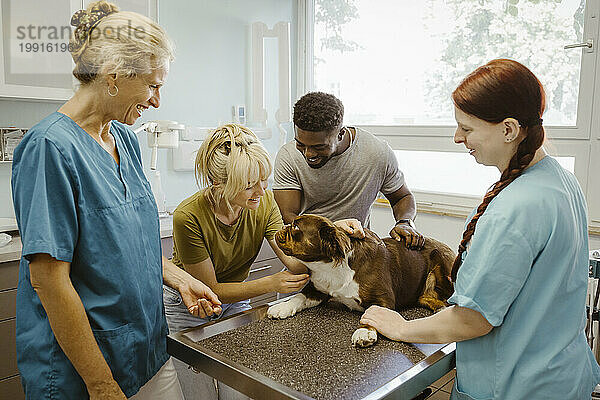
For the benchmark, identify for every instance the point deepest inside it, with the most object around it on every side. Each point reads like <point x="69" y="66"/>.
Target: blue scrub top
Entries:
<point x="75" y="203"/>
<point x="526" y="271"/>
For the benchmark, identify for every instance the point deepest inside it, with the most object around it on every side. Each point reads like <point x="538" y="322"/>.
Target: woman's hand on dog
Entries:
<point x="286" y="282"/>
<point x="352" y="227"/>
<point x="413" y="239"/>
<point x="387" y="322"/>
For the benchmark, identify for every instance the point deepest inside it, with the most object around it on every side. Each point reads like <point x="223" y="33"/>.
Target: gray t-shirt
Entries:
<point x="347" y="185"/>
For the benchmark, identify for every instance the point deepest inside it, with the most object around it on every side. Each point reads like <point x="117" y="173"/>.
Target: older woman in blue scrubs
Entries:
<point x="521" y="272"/>
<point x="90" y="319"/>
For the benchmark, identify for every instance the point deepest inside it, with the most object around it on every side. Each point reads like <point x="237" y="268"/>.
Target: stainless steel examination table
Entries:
<point x="309" y="356"/>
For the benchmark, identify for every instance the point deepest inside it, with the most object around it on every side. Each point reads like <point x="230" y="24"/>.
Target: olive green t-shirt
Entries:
<point x="198" y="235"/>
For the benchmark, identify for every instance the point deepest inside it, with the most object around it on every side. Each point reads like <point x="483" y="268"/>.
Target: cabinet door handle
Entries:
<point x="261" y="268"/>
<point x="588" y="44"/>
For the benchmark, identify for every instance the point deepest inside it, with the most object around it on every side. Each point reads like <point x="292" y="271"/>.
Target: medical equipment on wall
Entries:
<point x="281" y="31"/>
<point x="239" y="114"/>
<point x="163" y="135"/>
<point x="9" y="139"/>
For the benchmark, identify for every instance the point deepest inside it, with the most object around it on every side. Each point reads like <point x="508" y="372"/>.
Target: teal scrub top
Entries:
<point x="75" y="203"/>
<point x="526" y="272"/>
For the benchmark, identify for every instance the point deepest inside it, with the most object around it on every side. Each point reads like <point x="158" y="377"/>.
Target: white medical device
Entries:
<point x="239" y="114"/>
<point x="161" y="135"/>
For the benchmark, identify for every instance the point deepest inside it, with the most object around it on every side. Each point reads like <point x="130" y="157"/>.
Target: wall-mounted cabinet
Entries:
<point x="148" y="8"/>
<point x="35" y="62"/>
<point x="34" y="59"/>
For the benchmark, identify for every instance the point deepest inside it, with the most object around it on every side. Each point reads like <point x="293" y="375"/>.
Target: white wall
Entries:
<point x="211" y="71"/>
<point x="443" y="228"/>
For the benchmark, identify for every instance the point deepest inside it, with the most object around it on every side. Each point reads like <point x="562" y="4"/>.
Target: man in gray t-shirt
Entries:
<point x="337" y="171"/>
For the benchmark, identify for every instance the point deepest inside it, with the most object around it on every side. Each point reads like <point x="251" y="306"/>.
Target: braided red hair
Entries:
<point x="493" y="92"/>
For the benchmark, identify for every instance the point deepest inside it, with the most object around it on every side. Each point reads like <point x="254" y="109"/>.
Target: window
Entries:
<point x="396" y="63"/>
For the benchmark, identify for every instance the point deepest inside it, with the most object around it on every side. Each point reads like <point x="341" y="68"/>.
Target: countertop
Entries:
<point x="12" y="251"/>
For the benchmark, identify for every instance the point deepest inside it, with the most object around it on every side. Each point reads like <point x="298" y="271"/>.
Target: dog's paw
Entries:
<point x="364" y="337"/>
<point x="282" y="310"/>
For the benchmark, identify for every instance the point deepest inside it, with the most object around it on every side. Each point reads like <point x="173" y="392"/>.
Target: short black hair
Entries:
<point x="318" y="111"/>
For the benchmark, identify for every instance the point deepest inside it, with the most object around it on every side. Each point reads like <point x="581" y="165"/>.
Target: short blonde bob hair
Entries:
<point x="230" y="160"/>
<point x="116" y="42"/>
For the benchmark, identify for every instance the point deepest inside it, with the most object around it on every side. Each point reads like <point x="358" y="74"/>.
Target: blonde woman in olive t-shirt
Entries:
<point x="218" y="231"/>
<point x="217" y="234"/>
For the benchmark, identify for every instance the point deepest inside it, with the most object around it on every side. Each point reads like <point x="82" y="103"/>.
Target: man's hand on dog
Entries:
<point x="352" y="227"/>
<point x="286" y="282"/>
<point x="413" y="239"/>
<point x="387" y="322"/>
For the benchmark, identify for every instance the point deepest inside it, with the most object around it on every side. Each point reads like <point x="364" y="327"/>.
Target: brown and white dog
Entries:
<point x="363" y="272"/>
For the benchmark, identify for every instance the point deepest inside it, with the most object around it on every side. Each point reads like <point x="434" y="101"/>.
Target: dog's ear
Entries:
<point x="335" y="244"/>
<point x="438" y="266"/>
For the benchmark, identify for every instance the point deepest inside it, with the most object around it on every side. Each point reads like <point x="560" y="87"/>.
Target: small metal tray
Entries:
<point x="411" y="379"/>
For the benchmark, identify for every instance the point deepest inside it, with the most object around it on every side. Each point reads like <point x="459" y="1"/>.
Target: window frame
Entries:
<point x="43" y="93"/>
<point x="593" y="181"/>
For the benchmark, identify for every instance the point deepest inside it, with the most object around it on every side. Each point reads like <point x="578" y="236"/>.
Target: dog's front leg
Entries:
<point x="366" y="335"/>
<point x="307" y="298"/>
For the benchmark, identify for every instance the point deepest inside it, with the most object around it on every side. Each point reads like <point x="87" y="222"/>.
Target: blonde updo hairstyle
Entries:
<point x="125" y="43"/>
<point x="230" y="160"/>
